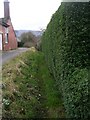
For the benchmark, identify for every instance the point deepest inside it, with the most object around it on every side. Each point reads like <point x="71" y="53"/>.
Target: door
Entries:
<point x="0" y="41"/>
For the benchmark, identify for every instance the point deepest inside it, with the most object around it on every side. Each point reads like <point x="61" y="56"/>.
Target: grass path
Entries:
<point x="29" y="90"/>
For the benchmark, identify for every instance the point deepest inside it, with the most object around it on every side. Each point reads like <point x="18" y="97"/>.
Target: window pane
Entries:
<point x="6" y="38"/>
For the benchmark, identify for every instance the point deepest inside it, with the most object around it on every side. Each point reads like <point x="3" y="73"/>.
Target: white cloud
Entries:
<point x="31" y="14"/>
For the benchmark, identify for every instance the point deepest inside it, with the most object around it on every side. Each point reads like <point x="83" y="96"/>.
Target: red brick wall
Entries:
<point x="12" y="44"/>
<point x="2" y="30"/>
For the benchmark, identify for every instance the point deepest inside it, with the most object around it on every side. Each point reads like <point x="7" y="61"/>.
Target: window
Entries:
<point x="6" y="37"/>
<point x="6" y="30"/>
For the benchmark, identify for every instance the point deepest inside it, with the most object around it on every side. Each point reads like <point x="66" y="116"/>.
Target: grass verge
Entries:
<point x="29" y="90"/>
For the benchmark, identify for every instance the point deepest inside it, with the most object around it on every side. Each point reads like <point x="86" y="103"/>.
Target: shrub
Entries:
<point x="66" y="44"/>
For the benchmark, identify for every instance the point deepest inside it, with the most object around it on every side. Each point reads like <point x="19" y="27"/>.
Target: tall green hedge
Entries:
<point x="66" y="44"/>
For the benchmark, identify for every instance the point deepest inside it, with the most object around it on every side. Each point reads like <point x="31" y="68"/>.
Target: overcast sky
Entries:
<point x="31" y="14"/>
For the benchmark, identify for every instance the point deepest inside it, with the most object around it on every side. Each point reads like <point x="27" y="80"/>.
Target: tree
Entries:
<point x="28" y="39"/>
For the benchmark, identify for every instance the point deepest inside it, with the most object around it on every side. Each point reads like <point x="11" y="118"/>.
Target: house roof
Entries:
<point x="3" y="22"/>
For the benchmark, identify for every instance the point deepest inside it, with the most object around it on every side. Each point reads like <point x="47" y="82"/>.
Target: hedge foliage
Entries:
<point x="66" y="44"/>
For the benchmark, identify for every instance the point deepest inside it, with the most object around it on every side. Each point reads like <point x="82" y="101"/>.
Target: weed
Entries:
<point x="30" y="88"/>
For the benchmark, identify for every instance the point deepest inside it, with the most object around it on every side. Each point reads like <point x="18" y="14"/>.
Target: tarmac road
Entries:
<point x="8" y="55"/>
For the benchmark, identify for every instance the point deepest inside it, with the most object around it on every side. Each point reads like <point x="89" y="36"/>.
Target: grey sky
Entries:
<point x="31" y="14"/>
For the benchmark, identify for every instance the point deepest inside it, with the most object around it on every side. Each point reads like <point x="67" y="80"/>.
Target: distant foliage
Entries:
<point x="28" y="39"/>
<point x="66" y="44"/>
<point x="38" y="44"/>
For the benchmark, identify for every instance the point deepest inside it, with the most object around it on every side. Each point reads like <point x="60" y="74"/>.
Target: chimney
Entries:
<point x="6" y="9"/>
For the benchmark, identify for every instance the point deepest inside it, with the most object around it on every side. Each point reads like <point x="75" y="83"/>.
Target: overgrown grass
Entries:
<point x="29" y="90"/>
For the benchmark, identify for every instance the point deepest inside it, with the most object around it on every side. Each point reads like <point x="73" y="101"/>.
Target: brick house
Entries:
<point x="8" y="39"/>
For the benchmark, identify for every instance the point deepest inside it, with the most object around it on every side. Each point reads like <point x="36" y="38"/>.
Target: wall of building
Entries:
<point x="2" y="30"/>
<point x="12" y="42"/>
<point x="0" y="37"/>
